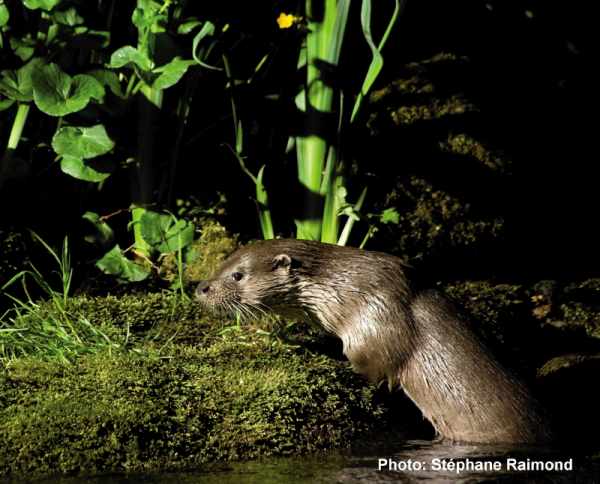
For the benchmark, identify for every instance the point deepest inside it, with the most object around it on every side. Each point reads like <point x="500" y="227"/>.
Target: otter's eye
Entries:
<point x="237" y="276"/>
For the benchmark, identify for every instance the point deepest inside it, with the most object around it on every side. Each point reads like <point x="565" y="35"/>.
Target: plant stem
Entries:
<point x="343" y="240"/>
<point x="312" y="146"/>
<point x="13" y="141"/>
<point x="316" y="149"/>
<point x="17" y="127"/>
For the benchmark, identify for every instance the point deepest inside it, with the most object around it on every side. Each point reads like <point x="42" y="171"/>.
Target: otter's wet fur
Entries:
<point x="416" y="340"/>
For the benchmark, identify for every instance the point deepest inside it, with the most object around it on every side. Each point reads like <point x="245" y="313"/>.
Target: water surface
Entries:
<point x="418" y="458"/>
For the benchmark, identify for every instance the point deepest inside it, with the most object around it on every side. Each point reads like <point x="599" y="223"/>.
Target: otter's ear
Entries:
<point x="282" y="260"/>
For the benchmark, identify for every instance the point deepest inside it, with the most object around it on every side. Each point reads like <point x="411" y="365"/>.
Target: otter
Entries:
<point x="389" y="330"/>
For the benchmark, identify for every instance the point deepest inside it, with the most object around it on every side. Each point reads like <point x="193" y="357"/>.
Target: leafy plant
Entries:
<point x="164" y="234"/>
<point x="38" y="38"/>
<point x="105" y="100"/>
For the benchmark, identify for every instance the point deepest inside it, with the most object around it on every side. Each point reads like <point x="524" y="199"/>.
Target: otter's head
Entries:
<point x="255" y="280"/>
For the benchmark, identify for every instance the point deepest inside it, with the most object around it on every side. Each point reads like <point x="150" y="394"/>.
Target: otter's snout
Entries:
<point x="202" y="289"/>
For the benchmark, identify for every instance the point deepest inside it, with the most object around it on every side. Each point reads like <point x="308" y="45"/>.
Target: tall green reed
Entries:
<point x="320" y="158"/>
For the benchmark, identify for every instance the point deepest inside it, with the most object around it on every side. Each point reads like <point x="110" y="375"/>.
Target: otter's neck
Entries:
<point x="460" y="388"/>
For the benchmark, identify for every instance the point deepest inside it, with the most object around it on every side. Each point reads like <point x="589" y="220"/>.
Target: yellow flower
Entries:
<point x="286" y="20"/>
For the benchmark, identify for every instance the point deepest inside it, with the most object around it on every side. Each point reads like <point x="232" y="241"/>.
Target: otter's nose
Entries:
<point x="203" y="288"/>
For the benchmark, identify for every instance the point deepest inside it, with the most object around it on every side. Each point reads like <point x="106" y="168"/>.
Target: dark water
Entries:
<point x="421" y="461"/>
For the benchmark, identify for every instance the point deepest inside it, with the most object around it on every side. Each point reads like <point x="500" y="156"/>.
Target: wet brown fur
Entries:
<point x="414" y="340"/>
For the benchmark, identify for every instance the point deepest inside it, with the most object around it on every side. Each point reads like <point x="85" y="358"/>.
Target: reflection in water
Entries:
<point x="430" y="462"/>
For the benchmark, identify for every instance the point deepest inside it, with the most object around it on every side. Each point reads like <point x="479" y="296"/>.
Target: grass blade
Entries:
<point x="377" y="60"/>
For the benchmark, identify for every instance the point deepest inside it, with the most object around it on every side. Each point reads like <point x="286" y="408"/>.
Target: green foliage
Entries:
<point x="68" y="60"/>
<point x="262" y="199"/>
<point x="43" y="4"/>
<point x="200" y="51"/>
<point x="114" y="262"/>
<point x="18" y="85"/>
<point x="82" y="142"/>
<point x="128" y="55"/>
<point x="377" y="59"/>
<point x="77" y="88"/>
<point x="77" y="168"/>
<point x="65" y="330"/>
<point x="170" y="74"/>
<point x="58" y="94"/>
<point x="75" y="144"/>
<point x="390" y="215"/>
<point x="103" y="235"/>
<point x="165" y="233"/>
<point x="4" y="14"/>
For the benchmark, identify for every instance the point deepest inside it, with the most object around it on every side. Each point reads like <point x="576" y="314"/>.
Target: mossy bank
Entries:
<point x="173" y="390"/>
<point x="159" y="386"/>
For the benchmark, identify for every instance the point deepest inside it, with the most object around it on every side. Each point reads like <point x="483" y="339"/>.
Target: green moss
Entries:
<point x="432" y="219"/>
<point x="498" y="309"/>
<point x="212" y="395"/>
<point x="488" y="301"/>
<point x="583" y="315"/>
<point x="465" y="145"/>
<point x="504" y="316"/>
<point x="207" y="253"/>
<point x="430" y="119"/>
<point x="419" y="96"/>
<point x="416" y="79"/>
<point x="436" y="109"/>
<point x="204" y="255"/>
<point x="569" y="362"/>
<point x="158" y="316"/>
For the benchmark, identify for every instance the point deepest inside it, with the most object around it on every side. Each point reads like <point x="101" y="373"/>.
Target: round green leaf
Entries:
<point x="4" y="15"/>
<point x="43" y="4"/>
<point x="129" y="55"/>
<point x="82" y="142"/>
<point x="165" y="233"/>
<point x="17" y="85"/>
<point x="115" y="263"/>
<point x="78" y="169"/>
<point x="57" y="94"/>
